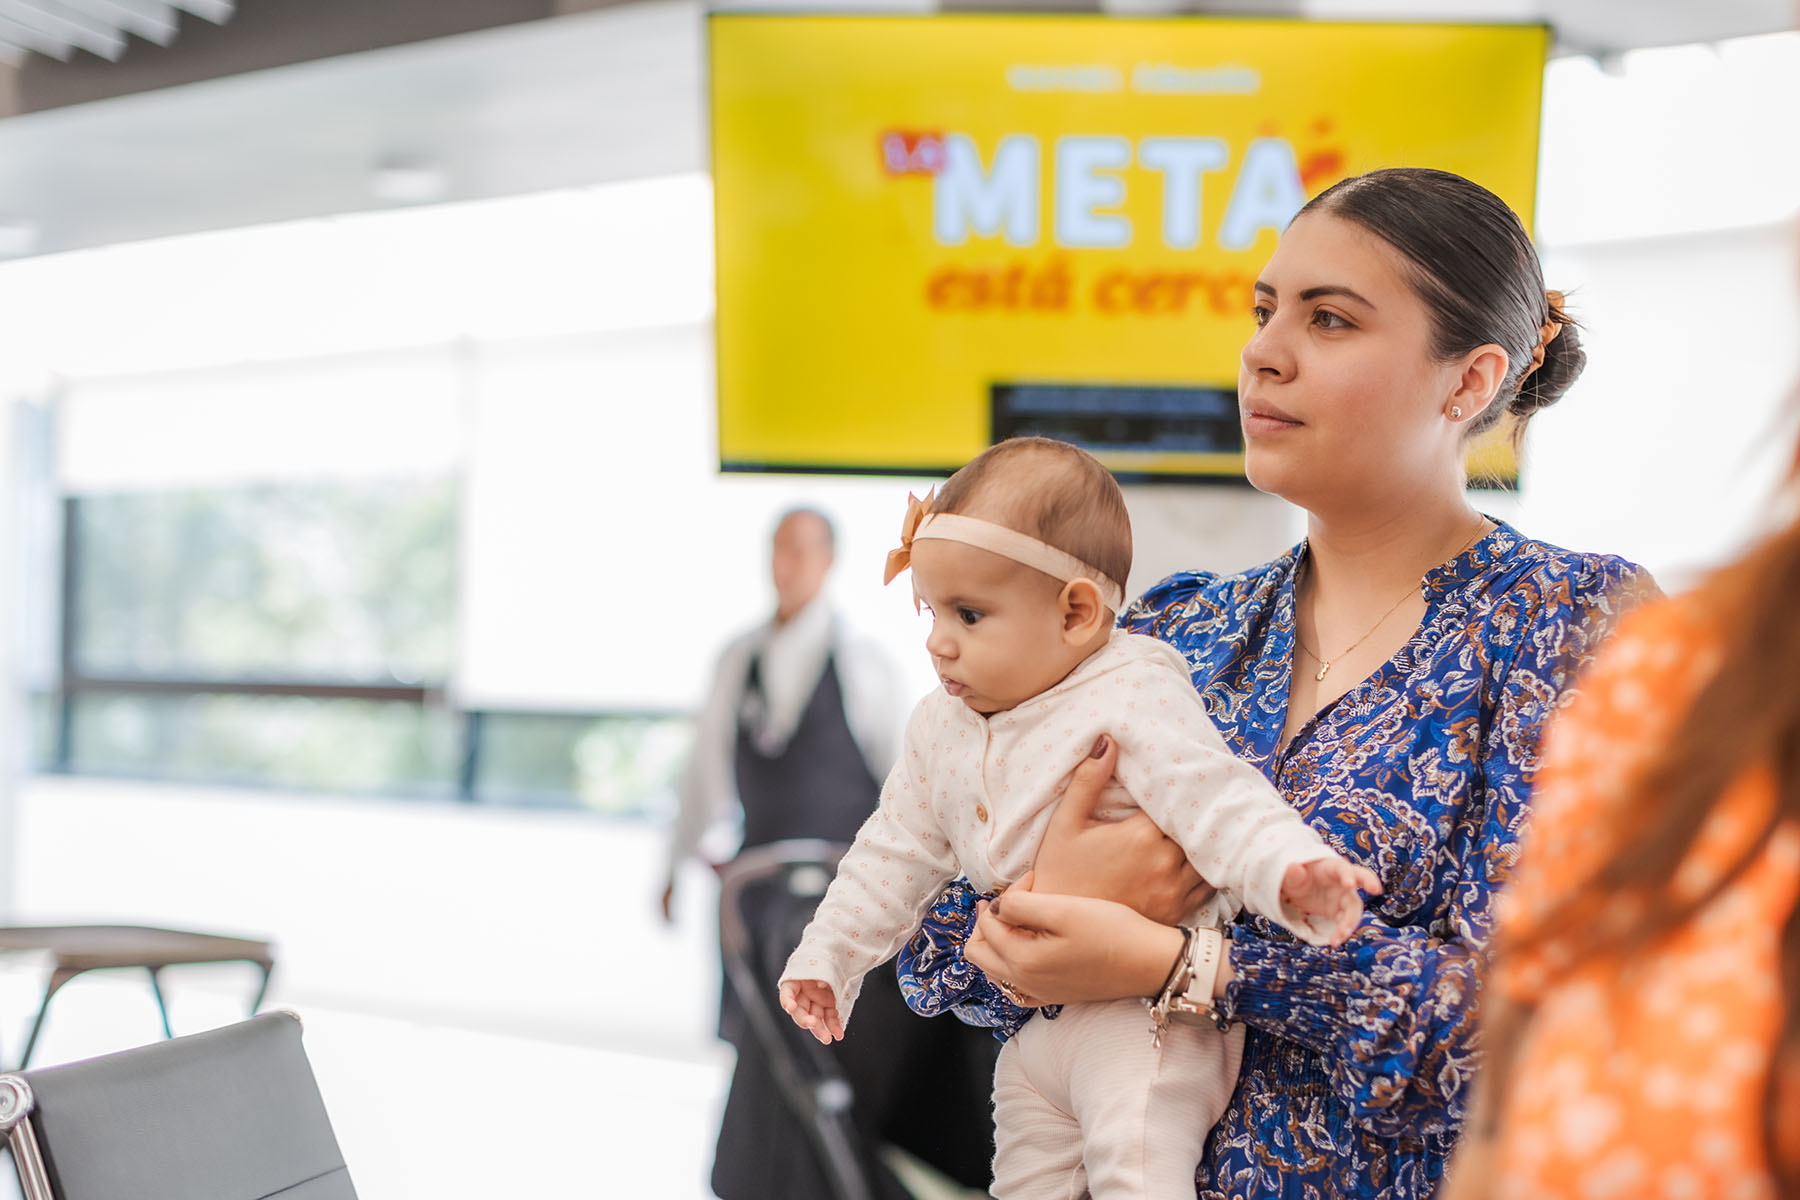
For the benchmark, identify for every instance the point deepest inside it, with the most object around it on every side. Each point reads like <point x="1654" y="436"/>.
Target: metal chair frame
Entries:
<point x="16" y="1105"/>
<point x="822" y="1106"/>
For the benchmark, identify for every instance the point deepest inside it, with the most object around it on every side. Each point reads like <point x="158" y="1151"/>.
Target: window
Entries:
<point x="350" y="583"/>
<point x="617" y="764"/>
<point x="301" y="636"/>
<point x="292" y="635"/>
<point x="304" y="742"/>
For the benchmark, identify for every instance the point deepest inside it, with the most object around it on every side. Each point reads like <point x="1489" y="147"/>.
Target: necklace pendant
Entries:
<point x="1323" y="667"/>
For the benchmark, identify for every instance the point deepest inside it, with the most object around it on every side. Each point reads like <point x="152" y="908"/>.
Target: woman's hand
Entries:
<point x="1130" y="861"/>
<point x="1060" y="949"/>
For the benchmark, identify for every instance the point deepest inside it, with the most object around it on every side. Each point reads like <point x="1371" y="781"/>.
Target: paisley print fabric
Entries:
<point x="1358" y="1059"/>
<point x="935" y="978"/>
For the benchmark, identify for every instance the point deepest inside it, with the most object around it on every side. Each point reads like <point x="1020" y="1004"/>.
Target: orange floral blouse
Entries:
<point x="1643" y="1077"/>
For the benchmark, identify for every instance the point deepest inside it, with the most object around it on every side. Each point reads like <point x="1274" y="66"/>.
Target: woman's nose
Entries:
<point x="1268" y="354"/>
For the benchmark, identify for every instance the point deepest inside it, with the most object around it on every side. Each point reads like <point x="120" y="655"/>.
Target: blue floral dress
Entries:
<point x="1358" y="1059"/>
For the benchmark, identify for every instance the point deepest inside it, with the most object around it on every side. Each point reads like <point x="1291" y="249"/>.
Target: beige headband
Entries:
<point x="922" y="523"/>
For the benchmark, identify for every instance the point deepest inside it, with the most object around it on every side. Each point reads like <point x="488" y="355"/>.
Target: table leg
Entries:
<point x="262" y="992"/>
<point x="161" y="1004"/>
<point x="58" y="977"/>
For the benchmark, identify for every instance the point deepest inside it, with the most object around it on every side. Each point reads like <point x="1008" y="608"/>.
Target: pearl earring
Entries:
<point x="1455" y="413"/>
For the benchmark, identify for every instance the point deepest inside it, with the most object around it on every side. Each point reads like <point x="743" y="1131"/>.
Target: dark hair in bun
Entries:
<point x="1564" y="359"/>
<point x="1475" y="268"/>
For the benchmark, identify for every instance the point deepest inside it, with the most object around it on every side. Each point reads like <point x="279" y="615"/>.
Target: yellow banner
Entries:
<point x="933" y="232"/>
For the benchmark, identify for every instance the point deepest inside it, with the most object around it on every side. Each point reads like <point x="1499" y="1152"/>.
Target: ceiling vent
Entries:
<point x="58" y="28"/>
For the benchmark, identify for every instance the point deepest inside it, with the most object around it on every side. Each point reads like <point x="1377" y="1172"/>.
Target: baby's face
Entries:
<point x="996" y="625"/>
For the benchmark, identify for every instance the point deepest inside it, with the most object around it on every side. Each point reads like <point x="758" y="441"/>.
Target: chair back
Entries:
<point x="229" y="1114"/>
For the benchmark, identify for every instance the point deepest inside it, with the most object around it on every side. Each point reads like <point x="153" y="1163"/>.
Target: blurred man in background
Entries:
<point x="802" y="720"/>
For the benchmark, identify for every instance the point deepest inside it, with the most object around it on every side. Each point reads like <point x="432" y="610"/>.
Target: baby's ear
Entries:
<point x="1083" y="613"/>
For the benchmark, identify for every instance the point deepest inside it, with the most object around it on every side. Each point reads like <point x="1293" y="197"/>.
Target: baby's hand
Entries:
<point x="813" y="1007"/>
<point x="1326" y="890"/>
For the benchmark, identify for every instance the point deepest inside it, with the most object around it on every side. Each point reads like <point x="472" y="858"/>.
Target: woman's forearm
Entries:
<point x="937" y="978"/>
<point x="1142" y="966"/>
<point x="1070" y="949"/>
<point x="1393" y="1008"/>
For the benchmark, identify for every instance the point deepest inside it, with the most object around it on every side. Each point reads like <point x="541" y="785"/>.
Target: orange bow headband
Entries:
<point x="1547" y="333"/>
<point x="923" y="524"/>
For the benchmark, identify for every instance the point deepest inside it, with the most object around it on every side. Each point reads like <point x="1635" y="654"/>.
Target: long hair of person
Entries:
<point x="1747" y="714"/>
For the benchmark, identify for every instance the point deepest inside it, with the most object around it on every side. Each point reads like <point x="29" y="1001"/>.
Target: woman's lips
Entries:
<point x="1261" y="423"/>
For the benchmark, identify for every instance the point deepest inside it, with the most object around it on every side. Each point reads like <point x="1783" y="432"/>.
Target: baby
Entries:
<point x="1021" y="561"/>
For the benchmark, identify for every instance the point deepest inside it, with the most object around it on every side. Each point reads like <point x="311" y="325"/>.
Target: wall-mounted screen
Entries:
<point x="934" y="232"/>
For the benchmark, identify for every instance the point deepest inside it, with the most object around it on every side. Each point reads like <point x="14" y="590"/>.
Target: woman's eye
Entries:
<point x="1260" y="315"/>
<point x="967" y="616"/>
<point x="1324" y="318"/>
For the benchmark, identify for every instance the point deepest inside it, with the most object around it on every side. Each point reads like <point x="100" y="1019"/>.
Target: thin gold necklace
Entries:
<point x="1325" y="663"/>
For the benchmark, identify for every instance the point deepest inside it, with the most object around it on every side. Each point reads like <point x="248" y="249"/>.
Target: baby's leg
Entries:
<point x="1037" y="1143"/>
<point x="1145" y="1111"/>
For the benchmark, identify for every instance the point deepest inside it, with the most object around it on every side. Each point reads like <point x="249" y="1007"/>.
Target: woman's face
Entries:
<point x="1341" y="401"/>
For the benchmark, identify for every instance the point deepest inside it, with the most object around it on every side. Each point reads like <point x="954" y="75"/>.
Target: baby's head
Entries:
<point x="1022" y="562"/>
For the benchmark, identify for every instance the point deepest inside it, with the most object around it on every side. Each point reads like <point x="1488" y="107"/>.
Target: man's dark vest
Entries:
<point x="819" y="785"/>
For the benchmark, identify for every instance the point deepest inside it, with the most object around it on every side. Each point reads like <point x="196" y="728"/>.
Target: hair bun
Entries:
<point x="1564" y="359"/>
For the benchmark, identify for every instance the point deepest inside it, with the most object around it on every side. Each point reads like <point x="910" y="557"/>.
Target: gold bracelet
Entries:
<point x="1160" y="1004"/>
<point x="1187" y="942"/>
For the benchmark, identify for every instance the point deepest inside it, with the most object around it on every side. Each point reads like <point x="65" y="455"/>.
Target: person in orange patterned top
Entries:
<point x="1644" y="1035"/>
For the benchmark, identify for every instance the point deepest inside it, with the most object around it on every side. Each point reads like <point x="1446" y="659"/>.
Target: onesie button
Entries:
<point x="980" y="811"/>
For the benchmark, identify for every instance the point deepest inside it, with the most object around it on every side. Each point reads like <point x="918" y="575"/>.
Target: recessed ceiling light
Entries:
<point x="410" y="182"/>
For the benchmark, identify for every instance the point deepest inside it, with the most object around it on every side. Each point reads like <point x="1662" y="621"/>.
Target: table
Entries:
<point x="77" y="949"/>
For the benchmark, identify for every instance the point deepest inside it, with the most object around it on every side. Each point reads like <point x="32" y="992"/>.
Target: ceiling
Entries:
<point x="104" y="28"/>
<point x="560" y="102"/>
<point x="1592" y="26"/>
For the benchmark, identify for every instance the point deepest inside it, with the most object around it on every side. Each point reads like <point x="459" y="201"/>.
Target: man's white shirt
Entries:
<point x="791" y="658"/>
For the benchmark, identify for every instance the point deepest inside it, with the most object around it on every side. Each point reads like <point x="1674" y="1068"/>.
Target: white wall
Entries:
<point x="1670" y="447"/>
<point x="605" y="560"/>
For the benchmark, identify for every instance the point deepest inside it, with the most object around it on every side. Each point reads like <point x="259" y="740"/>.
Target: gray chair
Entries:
<point x="232" y="1114"/>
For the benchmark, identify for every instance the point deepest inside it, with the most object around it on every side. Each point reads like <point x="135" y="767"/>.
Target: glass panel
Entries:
<point x="275" y="741"/>
<point x="349" y="582"/>
<point x="43" y="721"/>
<point x="621" y="766"/>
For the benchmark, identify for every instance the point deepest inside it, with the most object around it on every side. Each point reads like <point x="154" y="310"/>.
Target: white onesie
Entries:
<point x="1083" y="1101"/>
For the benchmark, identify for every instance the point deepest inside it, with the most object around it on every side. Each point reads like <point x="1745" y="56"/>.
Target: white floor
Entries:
<point x="492" y="1006"/>
<point x="431" y="1110"/>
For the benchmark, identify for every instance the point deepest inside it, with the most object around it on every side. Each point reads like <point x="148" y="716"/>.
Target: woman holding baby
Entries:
<point x="1391" y="676"/>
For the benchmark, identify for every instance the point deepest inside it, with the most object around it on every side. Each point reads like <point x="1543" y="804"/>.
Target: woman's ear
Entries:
<point x="1083" y="615"/>
<point x="1483" y="371"/>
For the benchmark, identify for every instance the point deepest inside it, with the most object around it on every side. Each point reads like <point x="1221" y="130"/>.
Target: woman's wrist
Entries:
<point x="1151" y="954"/>
<point x="1226" y="974"/>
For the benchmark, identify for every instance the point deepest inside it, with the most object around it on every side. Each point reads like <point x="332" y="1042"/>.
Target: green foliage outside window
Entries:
<point x="353" y="582"/>
<point x="326" y="584"/>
